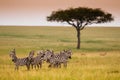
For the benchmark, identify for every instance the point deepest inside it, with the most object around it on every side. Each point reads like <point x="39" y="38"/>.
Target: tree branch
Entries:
<point x="83" y="26"/>
<point x="71" y="23"/>
<point x="89" y="22"/>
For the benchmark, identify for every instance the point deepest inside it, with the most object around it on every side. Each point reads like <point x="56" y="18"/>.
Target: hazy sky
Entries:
<point x="34" y="12"/>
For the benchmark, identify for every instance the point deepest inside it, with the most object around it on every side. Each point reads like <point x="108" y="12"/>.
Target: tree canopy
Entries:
<point x="81" y="17"/>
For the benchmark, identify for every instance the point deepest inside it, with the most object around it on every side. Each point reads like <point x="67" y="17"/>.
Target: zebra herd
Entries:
<point x="53" y="59"/>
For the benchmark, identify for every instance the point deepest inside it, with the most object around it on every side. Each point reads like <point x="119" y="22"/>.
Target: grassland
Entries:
<point x="88" y="63"/>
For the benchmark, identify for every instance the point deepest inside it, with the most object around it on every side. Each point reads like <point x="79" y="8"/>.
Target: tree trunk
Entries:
<point x="78" y="37"/>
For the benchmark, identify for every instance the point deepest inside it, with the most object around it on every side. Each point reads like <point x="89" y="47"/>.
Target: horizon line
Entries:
<point x="58" y="25"/>
<point x="48" y="26"/>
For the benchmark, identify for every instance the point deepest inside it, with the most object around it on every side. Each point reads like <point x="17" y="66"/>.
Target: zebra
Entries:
<point x="48" y="54"/>
<point x="65" y="55"/>
<point x="37" y="61"/>
<point x="62" y="58"/>
<point x="48" y="57"/>
<point x="21" y="61"/>
<point x="53" y="60"/>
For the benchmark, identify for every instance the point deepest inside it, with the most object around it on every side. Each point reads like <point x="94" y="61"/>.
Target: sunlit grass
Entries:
<point x="86" y="63"/>
<point x="90" y="66"/>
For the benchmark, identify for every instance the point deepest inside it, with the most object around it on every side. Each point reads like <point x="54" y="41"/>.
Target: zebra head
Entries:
<point x="48" y="55"/>
<point x="31" y="54"/>
<point x="41" y="54"/>
<point x="68" y="53"/>
<point x="13" y="55"/>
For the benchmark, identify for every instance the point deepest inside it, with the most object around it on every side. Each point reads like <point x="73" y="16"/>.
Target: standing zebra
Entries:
<point x="37" y="61"/>
<point x="21" y="61"/>
<point x="64" y="56"/>
<point x="49" y="57"/>
<point x="48" y="54"/>
<point x="57" y="59"/>
<point x="53" y="60"/>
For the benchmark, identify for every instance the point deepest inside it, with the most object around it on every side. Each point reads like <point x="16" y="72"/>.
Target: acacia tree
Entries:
<point x="80" y="17"/>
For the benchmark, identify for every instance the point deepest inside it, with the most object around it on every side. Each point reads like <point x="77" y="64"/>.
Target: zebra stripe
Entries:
<point x="48" y="54"/>
<point x="37" y="61"/>
<point x="21" y="61"/>
<point x="57" y="59"/>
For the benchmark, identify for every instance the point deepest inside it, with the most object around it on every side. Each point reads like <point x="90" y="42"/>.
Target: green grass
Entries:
<point x="86" y="63"/>
<point x="58" y="38"/>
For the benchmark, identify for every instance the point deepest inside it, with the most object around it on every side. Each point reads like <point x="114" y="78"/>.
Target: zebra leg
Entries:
<point x="16" y="67"/>
<point x="35" y="66"/>
<point x="59" y="65"/>
<point x="28" y="67"/>
<point x="38" y="66"/>
<point x="50" y="65"/>
<point x="65" y="64"/>
<point x="55" y="65"/>
<point x="32" y="66"/>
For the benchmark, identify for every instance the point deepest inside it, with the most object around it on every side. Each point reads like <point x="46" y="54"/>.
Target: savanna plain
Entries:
<point x="98" y="58"/>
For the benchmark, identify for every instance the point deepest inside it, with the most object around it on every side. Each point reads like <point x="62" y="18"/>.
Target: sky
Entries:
<point x="34" y="12"/>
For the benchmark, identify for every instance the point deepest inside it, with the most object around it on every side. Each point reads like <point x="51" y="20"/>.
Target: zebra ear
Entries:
<point x="70" y="51"/>
<point x="47" y="50"/>
<point x="61" y="52"/>
<point x="10" y="54"/>
<point x="52" y="51"/>
<point x="31" y="54"/>
<point x="64" y="50"/>
<point x="14" y="52"/>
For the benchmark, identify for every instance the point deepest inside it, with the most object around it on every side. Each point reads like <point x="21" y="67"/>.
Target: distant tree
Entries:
<point x="81" y="17"/>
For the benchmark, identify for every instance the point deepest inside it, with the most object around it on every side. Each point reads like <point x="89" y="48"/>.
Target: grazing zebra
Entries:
<point x="57" y="59"/>
<point x="37" y="61"/>
<point x="21" y="61"/>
